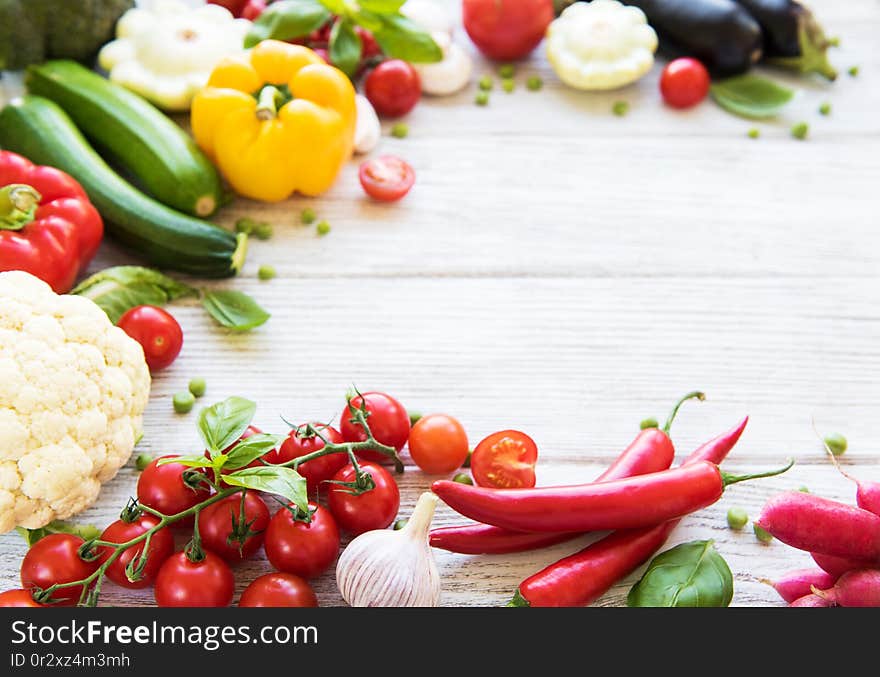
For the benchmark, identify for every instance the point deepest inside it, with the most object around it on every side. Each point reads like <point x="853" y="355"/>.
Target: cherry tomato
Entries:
<point x="369" y="46"/>
<point x="234" y="6"/>
<point x="299" y="443"/>
<point x="55" y="559"/>
<point x="386" y="178"/>
<point x="161" y="548"/>
<point x="252" y="9"/>
<point x="506" y="29"/>
<point x="438" y="444"/>
<point x="278" y="590"/>
<point x="373" y="509"/>
<point x="505" y="460"/>
<point x="304" y="549"/>
<point x="182" y="583"/>
<point x="387" y="419"/>
<point x="158" y="333"/>
<point x="684" y="83"/>
<point x="393" y="87"/>
<point x="250" y="431"/>
<point x="323" y="53"/>
<point x="216" y="524"/>
<point x="161" y="487"/>
<point x="18" y="598"/>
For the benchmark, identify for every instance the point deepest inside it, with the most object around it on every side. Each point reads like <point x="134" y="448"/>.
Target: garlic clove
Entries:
<point x="367" y="129"/>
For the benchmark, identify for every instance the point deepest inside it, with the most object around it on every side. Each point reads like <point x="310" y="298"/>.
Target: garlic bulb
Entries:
<point x="367" y="129"/>
<point x="392" y="568"/>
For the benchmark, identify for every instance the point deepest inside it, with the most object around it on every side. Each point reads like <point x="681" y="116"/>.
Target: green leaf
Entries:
<point x="689" y="575"/>
<point x="286" y="20"/>
<point x="278" y="480"/>
<point x="345" y="47"/>
<point x="188" y="461"/>
<point x="222" y="424"/>
<point x="335" y="6"/>
<point x="116" y="290"/>
<point x="401" y="38"/>
<point x="382" y="6"/>
<point x="234" y="309"/>
<point x="751" y="96"/>
<point x="249" y="450"/>
<point x="84" y="531"/>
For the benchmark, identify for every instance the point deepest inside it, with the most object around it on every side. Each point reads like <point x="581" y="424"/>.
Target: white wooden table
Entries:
<point x="567" y="272"/>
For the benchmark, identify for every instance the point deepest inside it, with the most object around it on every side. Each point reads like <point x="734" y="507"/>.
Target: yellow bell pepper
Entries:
<point x="276" y="121"/>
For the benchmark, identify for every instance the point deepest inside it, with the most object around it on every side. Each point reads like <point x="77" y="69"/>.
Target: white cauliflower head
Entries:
<point x="73" y="389"/>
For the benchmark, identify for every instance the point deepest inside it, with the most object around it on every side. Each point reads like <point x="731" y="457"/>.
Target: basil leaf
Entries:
<point x="286" y="20"/>
<point x="116" y="290"/>
<point x="382" y="6"/>
<point x="234" y="309"/>
<point x="188" y="461"/>
<point x="345" y="47"/>
<point x="366" y="19"/>
<point x="401" y="38"/>
<point x="335" y="6"/>
<point x="273" y="479"/>
<point x="221" y="424"/>
<point x="249" y="450"/>
<point x="84" y="531"/>
<point x="751" y="96"/>
<point x="689" y="575"/>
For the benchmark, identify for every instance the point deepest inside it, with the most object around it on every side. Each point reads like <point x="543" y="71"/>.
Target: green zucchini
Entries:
<point x="133" y="134"/>
<point x="38" y="129"/>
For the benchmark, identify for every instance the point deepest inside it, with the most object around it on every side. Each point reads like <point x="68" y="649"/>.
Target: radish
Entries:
<point x="816" y="524"/>
<point x="796" y="584"/>
<point x="811" y="600"/>
<point x="837" y="566"/>
<point x="854" y="588"/>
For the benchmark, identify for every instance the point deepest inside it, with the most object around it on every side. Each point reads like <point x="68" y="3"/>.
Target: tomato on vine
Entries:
<point x="207" y="582"/>
<point x="53" y="560"/>
<point x="121" y="531"/>
<point x="374" y="508"/>
<point x="162" y="488"/>
<point x="306" y="439"/>
<point x="18" y="598"/>
<point x="387" y="418"/>
<point x="306" y="549"/>
<point x="278" y="589"/>
<point x="232" y="530"/>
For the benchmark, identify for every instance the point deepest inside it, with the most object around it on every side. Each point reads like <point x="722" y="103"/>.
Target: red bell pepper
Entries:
<point x="48" y="227"/>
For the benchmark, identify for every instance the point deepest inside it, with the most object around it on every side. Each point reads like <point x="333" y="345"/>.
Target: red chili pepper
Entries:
<point x="48" y="227"/>
<point x="651" y="451"/>
<point x="583" y="577"/>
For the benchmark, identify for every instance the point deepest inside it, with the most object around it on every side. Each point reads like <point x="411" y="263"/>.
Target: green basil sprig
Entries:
<point x="116" y="290"/>
<point x="689" y="575"/>
<point x="751" y="96"/>
<point x="85" y="531"/>
<point x="398" y="37"/>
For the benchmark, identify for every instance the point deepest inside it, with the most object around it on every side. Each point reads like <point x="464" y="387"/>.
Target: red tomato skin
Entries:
<point x="234" y="6"/>
<point x="374" y="509"/>
<point x="684" y="83"/>
<point x="369" y="46"/>
<point x="393" y="87"/>
<point x="386" y="178"/>
<point x="387" y="419"/>
<point x="161" y="487"/>
<point x="318" y="470"/>
<point x="182" y="583"/>
<point x="516" y="473"/>
<point x="18" y="598"/>
<point x="158" y="333"/>
<point x="438" y="444"/>
<point x="278" y="589"/>
<point x="161" y="548"/>
<point x="252" y="9"/>
<point x="55" y="559"/>
<point x="303" y="549"/>
<point x="215" y="526"/>
<point x="506" y="29"/>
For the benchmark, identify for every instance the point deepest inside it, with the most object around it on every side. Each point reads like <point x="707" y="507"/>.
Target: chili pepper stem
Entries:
<point x="727" y="479"/>
<point x="267" y="103"/>
<point x="518" y="600"/>
<point x="696" y="394"/>
<point x="18" y="205"/>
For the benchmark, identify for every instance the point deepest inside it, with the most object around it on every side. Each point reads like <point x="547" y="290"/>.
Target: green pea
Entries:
<point x="620" y="108"/>
<point x="245" y="226"/>
<point x="322" y="228"/>
<point x="266" y="272"/>
<point x="482" y="99"/>
<point x="263" y="231"/>
<point x="762" y="534"/>
<point x="400" y="130"/>
<point x="508" y="85"/>
<point x="836" y="443"/>
<point x="463" y="478"/>
<point x="754" y="133"/>
<point x="486" y="83"/>
<point x="825" y="108"/>
<point x="142" y="461"/>
<point x="804" y="490"/>
<point x="737" y="518"/>
<point x="853" y="71"/>
<point x="197" y="387"/>
<point x="467" y="460"/>
<point x="308" y="216"/>
<point x="534" y="83"/>
<point x="399" y="524"/>
<point x="800" y="130"/>
<point x="183" y="402"/>
<point x="506" y="70"/>
<point x="649" y="423"/>
<point x="414" y="417"/>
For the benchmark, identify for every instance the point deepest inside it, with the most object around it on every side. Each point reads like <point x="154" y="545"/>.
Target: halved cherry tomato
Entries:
<point x="684" y="82"/>
<point x="120" y="531"/>
<point x="306" y="549"/>
<point x="386" y="178"/>
<point x="505" y="460"/>
<point x="373" y="509"/>
<point x="217" y="520"/>
<point x="301" y="442"/>
<point x="438" y="444"/>
<point x="387" y="419"/>
<point x="278" y="590"/>
<point x="182" y="583"/>
<point x="158" y="333"/>
<point x="18" y="598"/>
<point x="55" y="559"/>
